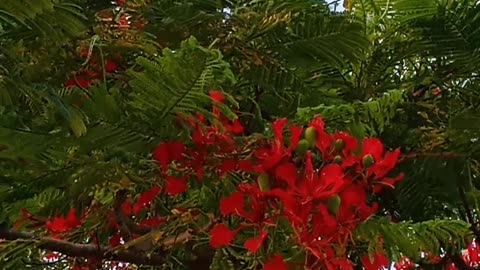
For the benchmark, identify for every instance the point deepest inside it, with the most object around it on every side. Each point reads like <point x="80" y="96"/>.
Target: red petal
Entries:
<point x="70" y="83"/>
<point x="278" y="126"/>
<point x="115" y="240"/>
<point x="253" y="244"/>
<point x="221" y="236"/>
<point x="232" y="205"/>
<point x="228" y="165"/>
<point x="160" y="154"/>
<point x="72" y="220"/>
<point x="331" y="179"/>
<point x="287" y="172"/>
<point x="383" y="167"/>
<point x="176" y="151"/>
<point x="245" y="165"/>
<point x="136" y="209"/>
<point x="237" y="127"/>
<point x="82" y="83"/>
<point x="126" y="208"/>
<point x="110" y="66"/>
<point x="351" y="144"/>
<point x="51" y="256"/>
<point x="374" y="147"/>
<point x="309" y="173"/>
<point x="295" y="135"/>
<point x="317" y="123"/>
<point x="379" y="262"/>
<point x="175" y="186"/>
<point x="217" y="96"/>
<point x="168" y="152"/>
<point x="58" y="225"/>
<point x="153" y="222"/>
<point x="275" y="263"/>
<point x="148" y="196"/>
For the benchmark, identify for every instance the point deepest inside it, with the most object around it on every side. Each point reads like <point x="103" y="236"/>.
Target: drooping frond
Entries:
<point x="375" y="115"/>
<point x="408" y="239"/>
<point x="179" y="81"/>
<point x="46" y="18"/>
<point x="319" y="38"/>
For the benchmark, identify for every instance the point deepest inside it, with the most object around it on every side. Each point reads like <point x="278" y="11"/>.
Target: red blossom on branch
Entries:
<point x="314" y="185"/>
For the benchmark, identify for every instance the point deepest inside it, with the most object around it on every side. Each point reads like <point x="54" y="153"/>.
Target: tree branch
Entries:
<point x="104" y="253"/>
<point x="84" y="250"/>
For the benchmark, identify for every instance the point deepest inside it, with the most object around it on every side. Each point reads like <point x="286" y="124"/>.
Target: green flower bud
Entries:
<point x="302" y="147"/>
<point x="337" y="159"/>
<point x="263" y="182"/>
<point x="367" y="161"/>
<point x="311" y="136"/>
<point x="339" y="145"/>
<point x="333" y="204"/>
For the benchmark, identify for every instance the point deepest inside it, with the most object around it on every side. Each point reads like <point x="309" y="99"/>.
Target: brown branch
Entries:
<point x="102" y="252"/>
<point x="84" y="250"/>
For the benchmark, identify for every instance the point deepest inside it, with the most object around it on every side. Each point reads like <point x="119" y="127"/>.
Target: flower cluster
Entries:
<point x="92" y="74"/>
<point x="305" y="187"/>
<point x="319" y="184"/>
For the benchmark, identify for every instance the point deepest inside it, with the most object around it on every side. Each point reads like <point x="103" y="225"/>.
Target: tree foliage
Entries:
<point x="88" y="90"/>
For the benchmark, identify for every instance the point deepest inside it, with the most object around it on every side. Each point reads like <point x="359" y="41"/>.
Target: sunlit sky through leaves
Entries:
<point x="336" y="5"/>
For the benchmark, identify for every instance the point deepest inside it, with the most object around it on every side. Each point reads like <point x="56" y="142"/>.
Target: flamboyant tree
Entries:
<point x="155" y="134"/>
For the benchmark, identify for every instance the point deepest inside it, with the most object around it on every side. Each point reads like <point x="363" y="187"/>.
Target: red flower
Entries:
<point x="216" y="96"/>
<point x="324" y="140"/>
<point x="472" y="257"/>
<point x="174" y="187"/>
<point x="253" y="244"/>
<point x="115" y="240"/>
<point x="221" y="236"/>
<point x="312" y="186"/>
<point x="62" y="225"/>
<point x="322" y="186"/>
<point x="383" y="167"/>
<point x="110" y="66"/>
<point x="236" y="127"/>
<point x="51" y="256"/>
<point x="232" y="205"/>
<point x="123" y="23"/>
<point x="121" y="2"/>
<point x="228" y="165"/>
<point x="287" y="172"/>
<point x="145" y="199"/>
<point x="245" y="165"/>
<point x="272" y="157"/>
<point x="373" y="147"/>
<point x="79" y="82"/>
<point x="275" y="263"/>
<point x="72" y="220"/>
<point x="354" y="204"/>
<point x="153" y="222"/>
<point x="168" y="152"/>
<point x="126" y="208"/>
<point x="404" y="264"/>
<point x="379" y="261"/>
